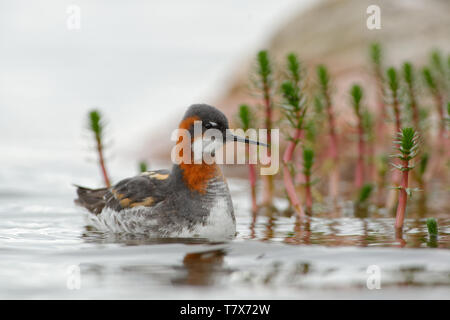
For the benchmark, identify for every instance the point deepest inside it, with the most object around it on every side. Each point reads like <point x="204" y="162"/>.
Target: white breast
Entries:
<point x="134" y="220"/>
<point x="220" y="224"/>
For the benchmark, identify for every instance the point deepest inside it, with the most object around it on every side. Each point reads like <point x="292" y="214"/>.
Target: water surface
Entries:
<point x="47" y="251"/>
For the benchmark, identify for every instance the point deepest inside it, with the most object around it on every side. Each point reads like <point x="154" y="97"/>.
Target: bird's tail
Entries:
<point x="91" y="199"/>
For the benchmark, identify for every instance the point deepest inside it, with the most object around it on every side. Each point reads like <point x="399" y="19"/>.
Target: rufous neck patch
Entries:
<point x="186" y="144"/>
<point x="197" y="176"/>
<point x="188" y="122"/>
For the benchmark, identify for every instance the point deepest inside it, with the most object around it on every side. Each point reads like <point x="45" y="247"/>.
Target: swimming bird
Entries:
<point x="191" y="200"/>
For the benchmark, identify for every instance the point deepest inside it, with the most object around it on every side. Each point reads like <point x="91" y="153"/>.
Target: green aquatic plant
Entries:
<point x="441" y="143"/>
<point x="432" y="227"/>
<point x="313" y="125"/>
<point x="96" y="125"/>
<point x="382" y="169"/>
<point x="246" y="119"/>
<point x="364" y="193"/>
<point x="448" y="70"/>
<point x="294" y="68"/>
<point x="294" y="109"/>
<point x="245" y="116"/>
<point x="382" y="166"/>
<point x="308" y="162"/>
<point x="376" y="58"/>
<point x="143" y="167"/>
<point x="368" y="125"/>
<point x="361" y="204"/>
<point x="423" y="163"/>
<point x="310" y="129"/>
<point x="448" y="110"/>
<point x="410" y="80"/>
<point x="318" y="105"/>
<point x="448" y="114"/>
<point x="393" y="86"/>
<point x="407" y="145"/>
<point x="356" y="93"/>
<point x="375" y="54"/>
<point x="435" y="91"/>
<point x="399" y="87"/>
<point x="264" y="71"/>
<point x="429" y="79"/>
<point x="438" y="66"/>
<point x="393" y="95"/>
<point x="421" y="170"/>
<point x="324" y="87"/>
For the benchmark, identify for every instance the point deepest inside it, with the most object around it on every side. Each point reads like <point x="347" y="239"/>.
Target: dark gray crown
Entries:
<point x="207" y="113"/>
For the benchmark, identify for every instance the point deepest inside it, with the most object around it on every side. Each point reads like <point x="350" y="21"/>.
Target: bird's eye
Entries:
<point x="208" y="125"/>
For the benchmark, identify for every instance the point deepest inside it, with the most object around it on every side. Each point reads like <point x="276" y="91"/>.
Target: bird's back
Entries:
<point x="144" y="190"/>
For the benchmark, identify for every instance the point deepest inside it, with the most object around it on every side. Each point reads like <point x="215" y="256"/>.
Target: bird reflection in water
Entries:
<point x="202" y="268"/>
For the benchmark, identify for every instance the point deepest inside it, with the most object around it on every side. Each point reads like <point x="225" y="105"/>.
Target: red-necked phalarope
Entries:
<point x="191" y="200"/>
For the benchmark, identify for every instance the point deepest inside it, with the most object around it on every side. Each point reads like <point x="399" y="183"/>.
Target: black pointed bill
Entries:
<point x="232" y="137"/>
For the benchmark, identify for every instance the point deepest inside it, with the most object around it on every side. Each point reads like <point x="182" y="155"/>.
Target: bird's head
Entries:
<point x="209" y="126"/>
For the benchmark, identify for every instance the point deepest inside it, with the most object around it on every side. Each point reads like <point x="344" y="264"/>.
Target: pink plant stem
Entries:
<point x="334" y="177"/>
<point x="380" y="129"/>
<point x="380" y="125"/>
<point x="398" y="128"/>
<point x="252" y="178"/>
<point x="359" y="170"/>
<point x="440" y="110"/>
<point x="332" y="132"/>
<point x="102" y="163"/>
<point x="400" y="216"/>
<point x="287" y="156"/>
<point x="371" y="156"/>
<point x="333" y="141"/>
<point x="439" y="105"/>
<point x="398" y="124"/>
<point x="287" y="178"/>
<point x="290" y="189"/>
<point x="415" y="111"/>
<point x="268" y="108"/>
<point x="399" y="238"/>
<point x="413" y="105"/>
<point x="299" y="177"/>
<point x="268" y="191"/>
<point x="441" y="143"/>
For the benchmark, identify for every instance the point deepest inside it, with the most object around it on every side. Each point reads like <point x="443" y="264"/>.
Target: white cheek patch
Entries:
<point x="205" y="148"/>
<point x="197" y="149"/>
<point x="211" y="145"/>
